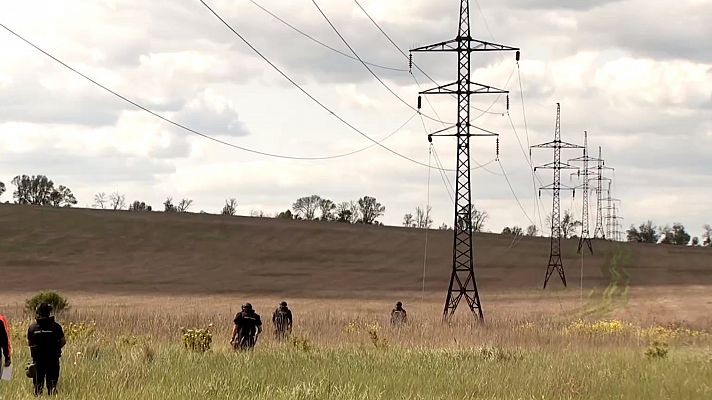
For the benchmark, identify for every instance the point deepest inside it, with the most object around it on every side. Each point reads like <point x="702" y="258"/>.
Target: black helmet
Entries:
<point x="399" y="304"/>
<point x="43" y="310"/>
<point x="283" y="304"/>
<point x="247" y="307"/>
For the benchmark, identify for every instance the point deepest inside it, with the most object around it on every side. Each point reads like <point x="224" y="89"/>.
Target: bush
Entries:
<point x="198" y="340"/>
<point x="657" y="350"/>
<point x="59" y="303"/>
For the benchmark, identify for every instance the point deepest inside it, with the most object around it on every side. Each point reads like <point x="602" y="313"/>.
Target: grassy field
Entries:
<point x="638" y="327"/>
<point x="130" y="348"/>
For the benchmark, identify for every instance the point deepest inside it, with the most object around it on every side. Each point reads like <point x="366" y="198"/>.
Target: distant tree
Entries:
<point x="568" y="225"/>
<point x="139" y="206"/>
<point x="258" y="214"/>
<point x="707" y="235"/>
<point x="305" y="207"/>
<point x="443" y="227"/>
<point x="422" y="218"/>
<point x="680" y="237"/>
<point x="168" y="205"/>
<point x="408" y="220"/>
<point x="370" y="209"/>
<point x="285" y="215"/>
<point x="532" y="230"/>
<point x="327" y="208"/>
<point x="62" y="197"/>
<point x="343" y="212"/>
<point x="695" y="241"/>
<point x="39" y="190"/>
<point x="184" y="205"/>
<point x="515" y="231"/>
<point x="647" y="232"/>
<point x="2" y="188"/>
<point x="633" y="234"/>
<point x="230" y="207"/>
<point x="117" y="201"/>
<point x="100" y="200"/>
<point x="479" y="217"/>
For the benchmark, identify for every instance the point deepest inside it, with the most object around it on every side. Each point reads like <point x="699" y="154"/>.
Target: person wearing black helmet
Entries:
<point x="46" y="339"/>
<point x="248" y="327"/>
<point x="282" y="321"/>
<point x="398" y="315"/>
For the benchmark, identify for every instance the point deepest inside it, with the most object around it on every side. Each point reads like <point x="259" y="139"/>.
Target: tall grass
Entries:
<point x="350" y="352"/>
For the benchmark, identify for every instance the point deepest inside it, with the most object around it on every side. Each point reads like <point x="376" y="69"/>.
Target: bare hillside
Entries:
<point x="98" y="251"/>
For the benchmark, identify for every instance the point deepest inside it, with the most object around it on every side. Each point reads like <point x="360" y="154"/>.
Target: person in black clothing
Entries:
<point x="282" y="321"/>
<point x="46" y="339"/>
<point x="5" y="348"/>
<point x="248" y="327"/>
<point x="398" y="315"/>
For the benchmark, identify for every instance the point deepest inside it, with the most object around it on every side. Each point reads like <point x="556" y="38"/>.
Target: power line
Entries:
<point x="319" y="42"/>
<point x="198" y="133"/>
<point x="407" y="57"/>
<point x="384" y="84"/>
<point x="305" y="92"/>
<point x="511" y="188"/>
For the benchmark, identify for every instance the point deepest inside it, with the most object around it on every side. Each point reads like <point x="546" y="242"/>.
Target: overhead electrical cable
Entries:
<point x="198" y="133"/>
<point x="511" y="188"/>
<point x="408" y="57"/>
<point x="319" y="42"/>
<point x="383" y="83"/>
<point x="305" y="92"/>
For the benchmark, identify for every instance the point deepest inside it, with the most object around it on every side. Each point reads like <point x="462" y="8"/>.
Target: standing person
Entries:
<point x="399" y="315"/>
<point x="46" y="339"/>
<point x="248" y="327"/>
<point x="282" y="321"/>
<point x="6" y="348"/>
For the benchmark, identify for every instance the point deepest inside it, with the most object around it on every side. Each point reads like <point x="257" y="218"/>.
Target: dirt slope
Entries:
<point x="122" y="252"/>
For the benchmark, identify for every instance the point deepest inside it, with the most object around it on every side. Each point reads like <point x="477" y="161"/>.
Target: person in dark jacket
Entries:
<point x="248" y="327"/>
<point x="5" y="348"/>
<point x="46" y="339"/>
<point x="398" y="315"/>
<point x="282" y="321"/>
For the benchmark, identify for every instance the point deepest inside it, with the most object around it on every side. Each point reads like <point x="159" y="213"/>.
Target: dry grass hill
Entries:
<point x="96" y="251"/>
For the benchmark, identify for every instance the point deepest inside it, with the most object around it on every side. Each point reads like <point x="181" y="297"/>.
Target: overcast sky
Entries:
<point x="636" y="74"/>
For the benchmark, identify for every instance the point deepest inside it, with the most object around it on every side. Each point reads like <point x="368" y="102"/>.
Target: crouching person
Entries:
<point x="46" y="339"/>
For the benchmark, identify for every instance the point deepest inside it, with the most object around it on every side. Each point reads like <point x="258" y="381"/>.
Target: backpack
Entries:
<point x="281" y="320"/>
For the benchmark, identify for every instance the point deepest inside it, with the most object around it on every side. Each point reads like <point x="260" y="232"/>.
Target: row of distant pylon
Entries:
<point x="608" y="222"/>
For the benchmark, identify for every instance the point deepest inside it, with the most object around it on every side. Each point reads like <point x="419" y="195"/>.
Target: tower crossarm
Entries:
<point x="472" y="88"/>
<point x="555" y="165"/>
<point x="557" y="144"/>
<point x="470" y="44"/>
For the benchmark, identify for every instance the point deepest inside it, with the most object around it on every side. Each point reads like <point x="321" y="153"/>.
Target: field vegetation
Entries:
<point x="344" y="349"/>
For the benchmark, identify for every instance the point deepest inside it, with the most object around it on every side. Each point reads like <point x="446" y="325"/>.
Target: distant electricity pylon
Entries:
<point x="610" y="213"/>
<point x="462" y="280"/>
<point x="599" y="232"/>
<point x="586" y="173"/>
<point x="555" y="262"/>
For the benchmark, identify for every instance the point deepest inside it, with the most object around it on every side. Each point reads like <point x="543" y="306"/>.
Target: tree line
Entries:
<point x="41" y="191"/>
<point x="648" y="232"/>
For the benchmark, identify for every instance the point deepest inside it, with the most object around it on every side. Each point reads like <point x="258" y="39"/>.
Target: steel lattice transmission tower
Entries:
<point x="586" y="173"/>
<point x="462" y="280"/>
<point x="599" y="232"/>
<point x="610" y="213"/>
<point x="555" y="262"/>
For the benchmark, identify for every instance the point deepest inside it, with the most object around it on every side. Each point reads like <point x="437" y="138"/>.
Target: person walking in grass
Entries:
<point x="46" y="339"/>
<point x="247" y="329"/>
<point x="282" y="321"/>
<point x="398" y="315"/>
<point x="6" y="348"/>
